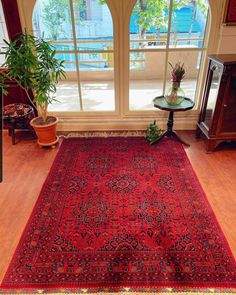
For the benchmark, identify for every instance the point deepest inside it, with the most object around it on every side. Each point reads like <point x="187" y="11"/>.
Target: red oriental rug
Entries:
<point x="116" y="212"/>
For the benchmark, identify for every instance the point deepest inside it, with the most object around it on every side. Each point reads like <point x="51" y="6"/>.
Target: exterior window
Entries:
<point x="3" y="33"/>
<point x="163" y="32"/>
<point x="82" y="33"/>
<point x="160" y="32"/>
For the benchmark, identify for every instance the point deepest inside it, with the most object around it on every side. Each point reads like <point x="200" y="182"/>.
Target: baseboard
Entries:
<point x="100" y="124"/>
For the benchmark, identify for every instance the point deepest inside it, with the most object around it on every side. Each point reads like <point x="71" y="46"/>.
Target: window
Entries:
<point x="3" y="33"/>
<point x="162" y="33"/>
<point x="82" y="32"/>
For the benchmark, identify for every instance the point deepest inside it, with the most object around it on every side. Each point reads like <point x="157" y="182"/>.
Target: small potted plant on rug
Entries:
<point x="153" y="132"/>
<point x="175" y="94"/>
<point x="31" y="62"/>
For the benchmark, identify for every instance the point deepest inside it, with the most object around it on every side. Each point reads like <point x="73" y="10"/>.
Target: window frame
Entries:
<point x="122" y="118"/>
<point x="168" y="50"/>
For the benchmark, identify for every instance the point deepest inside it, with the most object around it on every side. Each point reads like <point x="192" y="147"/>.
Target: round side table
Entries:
<point x="17" y="116"/>
<point x="161" y="103"/>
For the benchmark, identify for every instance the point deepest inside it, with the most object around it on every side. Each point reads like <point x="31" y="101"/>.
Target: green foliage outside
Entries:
<point x="203" y="6"/>
<point x="150" y="12"/>
<point x="54" y="15"/>
<point x="57" y="12"/>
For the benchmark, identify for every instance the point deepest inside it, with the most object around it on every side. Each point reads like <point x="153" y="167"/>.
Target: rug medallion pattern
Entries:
<point x="118" y="212"/>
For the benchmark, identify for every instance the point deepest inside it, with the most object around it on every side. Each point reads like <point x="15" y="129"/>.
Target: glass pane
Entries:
<point x="98" y="96"/>
<point x="148" y="24"/>
<point x="96" y="61"/>
<point x="146" y="79"/>
<point x="191" y="61"/>
<point x="3" y="33"/>
<point x="67" y="97"/>
<point x="95" y="44"/>
<point x="64" y="45"/>
<point x="69" y="60"/>
<point x="52" y="21"/>
<point x="188" y="23"/>
<point x="94" y="26"/>
<point x="212" y="96"/>
<point x="67" y="93"/>
<point x="137" y="60"/>
<point x="97" y="82"/>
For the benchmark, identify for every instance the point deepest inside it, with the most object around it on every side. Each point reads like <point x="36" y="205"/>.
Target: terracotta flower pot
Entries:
<point x="46" y="133"/>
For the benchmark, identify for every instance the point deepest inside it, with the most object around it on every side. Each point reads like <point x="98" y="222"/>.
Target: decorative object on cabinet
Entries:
<point x="218" y="110"/>
<point x="230" y="13"/>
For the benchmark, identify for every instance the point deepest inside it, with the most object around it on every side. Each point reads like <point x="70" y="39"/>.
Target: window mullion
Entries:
<point x="167" y="45"/>
<point x="76" y="54"/>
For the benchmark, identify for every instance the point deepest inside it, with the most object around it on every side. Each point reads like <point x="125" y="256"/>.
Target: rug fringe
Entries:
<point x="126" y="291"/>
<point x="130" y="293"/>
<point x="121" y="133"/>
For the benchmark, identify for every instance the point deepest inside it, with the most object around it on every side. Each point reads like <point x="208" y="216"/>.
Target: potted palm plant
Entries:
<point x="31" y="62"/>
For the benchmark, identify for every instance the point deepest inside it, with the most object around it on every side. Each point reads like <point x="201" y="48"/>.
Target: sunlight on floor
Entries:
<point x="99" y="95"/>
<point x="142" y="93"/>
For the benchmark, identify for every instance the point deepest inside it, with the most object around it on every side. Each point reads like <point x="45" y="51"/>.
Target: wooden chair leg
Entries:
<point x="211" y="144"/>
<point x="13" y="136"/>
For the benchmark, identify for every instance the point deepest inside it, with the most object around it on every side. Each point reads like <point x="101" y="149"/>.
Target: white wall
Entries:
<point x="227" y="40"/>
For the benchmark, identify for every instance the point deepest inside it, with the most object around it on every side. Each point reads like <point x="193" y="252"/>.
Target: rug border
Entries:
<point x="33" y="209"/>
<point x="209" y="205"/>
<point x="195" y="287"/>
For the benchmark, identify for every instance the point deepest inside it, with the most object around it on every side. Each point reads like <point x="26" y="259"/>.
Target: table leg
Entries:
<point x="159" y="138"/>
<point x="170" y="123"/>
<point x="198" y="132"/>
<point x="174" y="134"/>
<point x="169" y="132"/>
<point x="13" y="135"/>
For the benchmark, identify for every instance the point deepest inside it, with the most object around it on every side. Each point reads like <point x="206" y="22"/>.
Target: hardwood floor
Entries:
<point x="26" y="167"/>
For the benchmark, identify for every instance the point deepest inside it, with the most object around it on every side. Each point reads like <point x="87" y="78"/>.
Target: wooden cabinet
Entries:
<point x="217" y="120"/>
